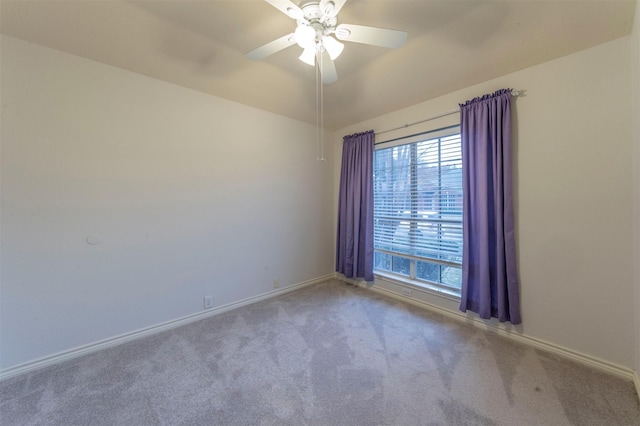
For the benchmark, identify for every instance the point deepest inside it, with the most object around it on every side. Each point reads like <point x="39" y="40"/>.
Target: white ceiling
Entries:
<point x="200" y="44"/>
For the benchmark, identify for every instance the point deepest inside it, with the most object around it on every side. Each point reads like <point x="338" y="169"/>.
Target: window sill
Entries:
<point x="419" y="285"/>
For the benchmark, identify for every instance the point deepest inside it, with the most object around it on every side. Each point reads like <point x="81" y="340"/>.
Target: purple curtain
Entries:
<point x="489" y="272"/>
<point x="354" y="246"/>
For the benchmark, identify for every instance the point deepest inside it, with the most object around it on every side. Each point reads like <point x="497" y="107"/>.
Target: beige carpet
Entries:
<point x="329" y="354"/>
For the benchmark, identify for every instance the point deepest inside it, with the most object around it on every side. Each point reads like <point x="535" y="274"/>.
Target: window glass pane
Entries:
<point x="381" y="261"/>
<point x="427" y="271"/>
<point x="452" y="276"/>
<point x="401" y="265"/>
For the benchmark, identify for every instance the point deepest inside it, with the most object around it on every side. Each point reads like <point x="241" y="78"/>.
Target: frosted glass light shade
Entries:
<point x="309" y="55"/>
<point x="305" y="36"/>
<point x="334" y="47"/>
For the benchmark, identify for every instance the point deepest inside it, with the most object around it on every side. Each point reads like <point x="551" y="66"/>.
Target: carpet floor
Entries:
<point x="327" y="354"/>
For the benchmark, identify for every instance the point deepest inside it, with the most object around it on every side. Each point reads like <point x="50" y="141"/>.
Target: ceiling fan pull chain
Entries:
<point x="321" y="84"/>
<point x="317" y="110"/>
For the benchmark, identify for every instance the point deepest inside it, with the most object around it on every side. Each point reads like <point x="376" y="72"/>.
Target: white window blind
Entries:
<point x="418" y="208"/>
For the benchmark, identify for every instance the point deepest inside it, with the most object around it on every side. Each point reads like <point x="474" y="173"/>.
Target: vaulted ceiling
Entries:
<point x="200" y="44"/>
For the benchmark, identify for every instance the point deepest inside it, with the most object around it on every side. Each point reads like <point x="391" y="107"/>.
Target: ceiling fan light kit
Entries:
<point x="316" y="27"/>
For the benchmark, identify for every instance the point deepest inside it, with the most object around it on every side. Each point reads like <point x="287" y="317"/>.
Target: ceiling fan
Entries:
<point x="316" y="25"/>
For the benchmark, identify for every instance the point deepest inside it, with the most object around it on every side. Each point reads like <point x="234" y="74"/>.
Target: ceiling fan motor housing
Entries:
<point x="319" y="20"/>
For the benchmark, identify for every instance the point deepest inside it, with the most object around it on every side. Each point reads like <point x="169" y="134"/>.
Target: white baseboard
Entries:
<point x="148" y="331"/>
<point x="585" y="359"/>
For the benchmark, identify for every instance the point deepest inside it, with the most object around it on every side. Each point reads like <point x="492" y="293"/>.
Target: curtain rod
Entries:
<point x="514" y="92"/>
<point x="433" y="117"/>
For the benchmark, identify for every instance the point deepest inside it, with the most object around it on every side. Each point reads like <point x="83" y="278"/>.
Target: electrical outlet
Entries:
<point x="276" y="283"/>
<point x="208" y="302"/>
<point x="406" y="292"/>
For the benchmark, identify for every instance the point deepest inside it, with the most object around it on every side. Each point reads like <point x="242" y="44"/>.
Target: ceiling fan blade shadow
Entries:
<point x="371" y="35"/>
<point x="287" y="7"/>
<point x="271" y="47"/>
<point x="335" y="6"/>
<point x="327" y="68"/>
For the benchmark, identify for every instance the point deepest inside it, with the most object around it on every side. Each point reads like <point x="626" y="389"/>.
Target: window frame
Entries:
<point x="448" y="290"/>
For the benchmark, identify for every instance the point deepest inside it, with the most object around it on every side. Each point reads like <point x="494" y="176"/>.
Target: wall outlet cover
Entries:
<point x="208" y="302"/>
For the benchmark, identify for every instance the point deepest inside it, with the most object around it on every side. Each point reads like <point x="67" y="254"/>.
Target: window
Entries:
<point x="417" y="186"/>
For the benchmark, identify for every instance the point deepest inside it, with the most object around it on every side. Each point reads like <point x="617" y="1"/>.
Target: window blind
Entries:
<point x="418" y="199"/>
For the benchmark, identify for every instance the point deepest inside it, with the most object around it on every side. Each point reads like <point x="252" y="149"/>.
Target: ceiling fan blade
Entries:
<point x="271" y="48"/>
<point x="287" y="7"/>
<point x="331" y="7"/>
<point x="371" y="35"/>
<point x="327" y="68"/>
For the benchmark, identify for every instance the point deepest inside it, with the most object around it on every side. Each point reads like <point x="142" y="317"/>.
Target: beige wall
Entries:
<point x="573" y="183"/>
<point x="191" y="195"/>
